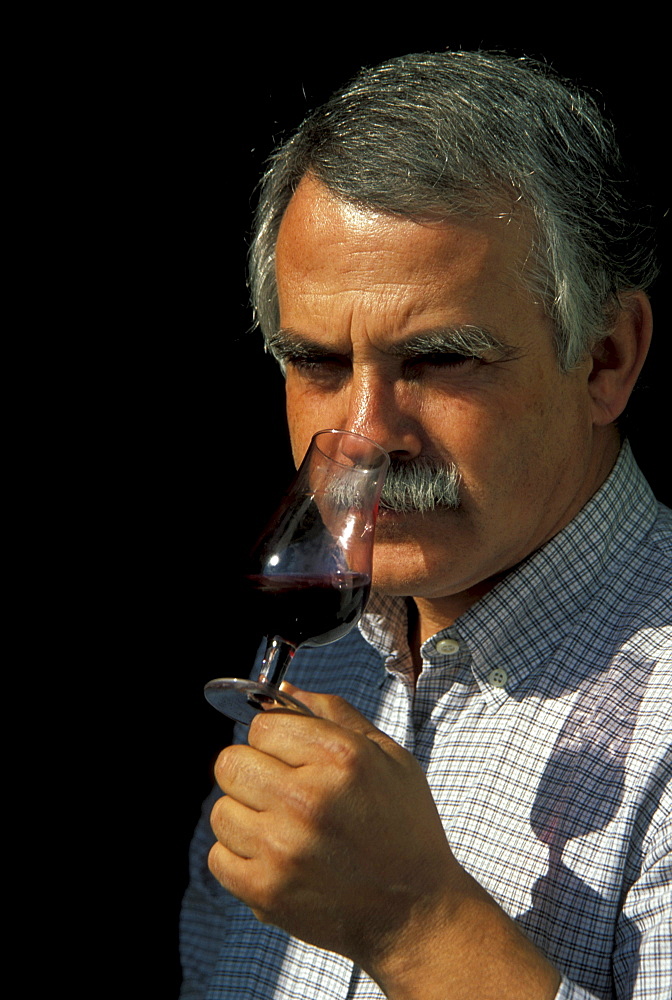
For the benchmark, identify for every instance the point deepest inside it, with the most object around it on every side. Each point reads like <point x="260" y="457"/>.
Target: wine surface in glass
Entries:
<point x="308" y="610"/>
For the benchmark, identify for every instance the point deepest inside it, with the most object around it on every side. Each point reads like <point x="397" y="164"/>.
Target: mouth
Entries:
<point x="393" y="513"/>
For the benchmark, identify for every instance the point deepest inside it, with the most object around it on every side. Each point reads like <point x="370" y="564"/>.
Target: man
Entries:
<point x="443" y="262"/>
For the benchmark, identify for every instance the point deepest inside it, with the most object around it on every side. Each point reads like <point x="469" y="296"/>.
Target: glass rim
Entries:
<point x="385" y="458"/>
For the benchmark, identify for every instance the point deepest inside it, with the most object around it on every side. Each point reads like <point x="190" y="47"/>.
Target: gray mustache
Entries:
<point x="420" y="485"/>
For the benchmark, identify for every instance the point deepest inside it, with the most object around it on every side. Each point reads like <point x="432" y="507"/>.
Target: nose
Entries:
<point x="378" y="407"/>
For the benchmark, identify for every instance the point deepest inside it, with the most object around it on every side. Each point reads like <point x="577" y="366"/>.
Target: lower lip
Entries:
<point x="385" y="514"/>
<point x="396" y="515"/>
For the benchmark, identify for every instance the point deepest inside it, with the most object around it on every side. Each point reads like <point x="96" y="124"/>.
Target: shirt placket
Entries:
<point x="446" y="663"/>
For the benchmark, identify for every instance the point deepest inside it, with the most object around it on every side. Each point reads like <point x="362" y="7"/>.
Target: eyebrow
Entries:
<point x="468" y="340"/>
<point x="287" y="344"/>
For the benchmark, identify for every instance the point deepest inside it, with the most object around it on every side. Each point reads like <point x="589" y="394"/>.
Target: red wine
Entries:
<point x="305" y="610"/>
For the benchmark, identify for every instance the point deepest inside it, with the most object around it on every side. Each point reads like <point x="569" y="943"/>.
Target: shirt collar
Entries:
<point x="528" y="612"/>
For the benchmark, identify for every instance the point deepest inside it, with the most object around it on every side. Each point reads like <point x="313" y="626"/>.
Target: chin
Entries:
<point x="415" y="555"/>
<point x="405" y="574"/>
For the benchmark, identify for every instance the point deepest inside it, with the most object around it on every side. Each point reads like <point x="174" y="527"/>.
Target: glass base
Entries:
<point x="241" y="699"/>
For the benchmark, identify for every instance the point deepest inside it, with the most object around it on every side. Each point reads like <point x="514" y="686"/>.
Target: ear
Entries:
<point x="618" y="359"/>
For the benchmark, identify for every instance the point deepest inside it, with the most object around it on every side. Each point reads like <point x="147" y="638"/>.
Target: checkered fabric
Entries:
<point x="545" y="731"/>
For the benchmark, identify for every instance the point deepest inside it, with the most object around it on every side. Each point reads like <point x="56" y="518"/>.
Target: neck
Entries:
<point x="436" y="613"/>
<point x="428" y="616"/>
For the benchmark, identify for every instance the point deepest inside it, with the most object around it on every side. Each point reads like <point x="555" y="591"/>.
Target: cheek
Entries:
<point x="467" y="429"/>
<point x="497" y="440"/>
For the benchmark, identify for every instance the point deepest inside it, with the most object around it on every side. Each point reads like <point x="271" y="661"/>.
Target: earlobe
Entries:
<point x="618" y="359"/>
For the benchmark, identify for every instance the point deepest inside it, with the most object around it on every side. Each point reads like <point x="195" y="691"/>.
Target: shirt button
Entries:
<point x="447" y="646"/>
<point x="498" y="677"/>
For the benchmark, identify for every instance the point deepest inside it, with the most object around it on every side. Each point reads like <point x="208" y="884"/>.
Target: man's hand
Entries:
<point x="328" y="829"/>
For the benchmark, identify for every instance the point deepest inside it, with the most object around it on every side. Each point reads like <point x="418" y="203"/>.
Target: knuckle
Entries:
<point x="347" y="756"/>
<point x="269" y="894"/>
<point x="216" y="814"/>
<point x="260" y="725"/>
<point x="308" y="805"/>
<point x="229" y="764"/>
<point x="214" y="861"/>
<point x="220" y="817"/>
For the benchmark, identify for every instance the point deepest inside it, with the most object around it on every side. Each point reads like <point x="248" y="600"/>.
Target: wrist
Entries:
<point x="463" y="946"/>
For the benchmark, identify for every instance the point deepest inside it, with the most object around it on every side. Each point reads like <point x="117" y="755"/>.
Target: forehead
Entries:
<point x="333" y="256"/>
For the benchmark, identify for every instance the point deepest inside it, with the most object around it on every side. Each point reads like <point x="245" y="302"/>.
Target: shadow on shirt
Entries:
<point x="581" y="791"/>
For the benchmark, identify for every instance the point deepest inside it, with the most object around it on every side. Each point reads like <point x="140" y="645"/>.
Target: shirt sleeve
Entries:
<point x="642" y="957"/>
<point x="642" y="961"/>
<point x="204" y="912"/>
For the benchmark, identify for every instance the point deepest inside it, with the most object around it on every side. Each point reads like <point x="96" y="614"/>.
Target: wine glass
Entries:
<point x="310" y="573"/>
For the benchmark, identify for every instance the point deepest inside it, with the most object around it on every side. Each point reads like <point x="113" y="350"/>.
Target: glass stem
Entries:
<point x="276" y="659"/>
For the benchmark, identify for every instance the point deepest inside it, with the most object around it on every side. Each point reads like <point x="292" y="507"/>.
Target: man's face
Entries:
<point x="423" y="338"/>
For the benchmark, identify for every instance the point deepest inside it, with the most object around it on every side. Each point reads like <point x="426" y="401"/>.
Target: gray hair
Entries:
<point x="455" y="133"/>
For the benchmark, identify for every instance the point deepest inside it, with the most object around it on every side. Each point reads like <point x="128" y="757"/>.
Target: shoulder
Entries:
<point x="660" y="534"/>
<point x="638" y="582"/>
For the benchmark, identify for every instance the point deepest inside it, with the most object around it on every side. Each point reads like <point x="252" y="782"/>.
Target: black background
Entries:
<point x="209" y="444"/>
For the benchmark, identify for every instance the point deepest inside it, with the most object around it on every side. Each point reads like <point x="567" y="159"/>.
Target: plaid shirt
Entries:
<point x="543" y="720"/>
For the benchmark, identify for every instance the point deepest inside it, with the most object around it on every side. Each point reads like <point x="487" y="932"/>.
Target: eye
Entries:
<point x="449" y="360"/>
<point x="441" y="360"/>
<point x="320" y="369"/>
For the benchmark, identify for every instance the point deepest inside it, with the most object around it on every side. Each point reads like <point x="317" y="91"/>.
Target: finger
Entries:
<point x="301" y="740"/>
<point x="292" y="739"/>
<point x="248" y="879"/>
<point x="250" y="776"/>
<point x="338" y="710"/>
<point x="231" y="870"/>
<point x="236" y="827"/>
